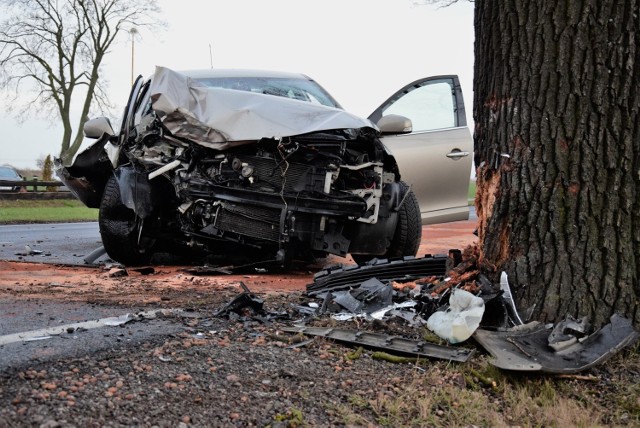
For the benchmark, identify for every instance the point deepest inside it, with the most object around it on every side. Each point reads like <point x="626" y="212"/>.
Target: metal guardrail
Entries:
<point x="30" y="183"/>
<point x="33" y="189"/>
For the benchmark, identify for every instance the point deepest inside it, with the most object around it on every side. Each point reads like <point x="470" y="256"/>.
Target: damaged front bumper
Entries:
<point x="526" y="347"/>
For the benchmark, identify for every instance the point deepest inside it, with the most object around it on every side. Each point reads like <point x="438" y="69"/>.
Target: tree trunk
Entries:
<point x="558" y="153"/>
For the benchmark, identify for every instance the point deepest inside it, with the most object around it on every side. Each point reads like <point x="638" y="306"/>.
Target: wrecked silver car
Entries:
<point x="261" y="164"/>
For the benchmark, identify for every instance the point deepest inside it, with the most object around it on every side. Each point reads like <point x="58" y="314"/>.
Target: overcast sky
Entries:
<point x="361" y="51"/>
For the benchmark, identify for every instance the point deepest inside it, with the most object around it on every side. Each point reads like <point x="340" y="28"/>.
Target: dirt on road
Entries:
<point x="174" y="283"/>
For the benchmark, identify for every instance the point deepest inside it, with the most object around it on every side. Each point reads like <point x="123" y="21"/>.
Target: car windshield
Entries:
<point x="8" y="173"/>
<point x="299" y="89"/>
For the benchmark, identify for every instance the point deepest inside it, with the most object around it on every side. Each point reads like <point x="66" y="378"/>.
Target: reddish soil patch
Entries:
<point x="172" y="285"/>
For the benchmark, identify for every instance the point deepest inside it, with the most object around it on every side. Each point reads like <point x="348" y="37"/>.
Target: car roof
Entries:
<point x="238" y="72"/>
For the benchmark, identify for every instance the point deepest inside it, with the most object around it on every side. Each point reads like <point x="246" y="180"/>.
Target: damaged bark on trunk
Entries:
<point x="557" y="152"/>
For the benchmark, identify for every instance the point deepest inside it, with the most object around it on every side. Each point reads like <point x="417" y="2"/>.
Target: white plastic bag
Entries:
<point x="458" y="323"/>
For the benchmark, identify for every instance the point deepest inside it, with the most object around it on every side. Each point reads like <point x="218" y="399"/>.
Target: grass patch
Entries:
<point x="472" y="192"/>
<point x="45" y="211"/>
<point x="478" y="394"/>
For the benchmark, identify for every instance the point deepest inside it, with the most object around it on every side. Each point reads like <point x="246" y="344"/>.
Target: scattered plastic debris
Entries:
<point x="117" y="272"/>
<point x="387" y="343"/>
<point x="459" y="303"/>
<point x="244" y="300"/>
<point x="28" y="251"/>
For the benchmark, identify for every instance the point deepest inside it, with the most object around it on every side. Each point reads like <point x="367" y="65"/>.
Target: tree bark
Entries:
<point x="558" y="153"/>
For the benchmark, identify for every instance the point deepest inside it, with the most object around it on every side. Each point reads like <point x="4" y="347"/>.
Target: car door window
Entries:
<point x="435" y="158"/>
<point x="430" y="105"/>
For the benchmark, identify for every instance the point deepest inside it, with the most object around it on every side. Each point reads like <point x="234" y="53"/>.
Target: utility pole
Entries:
<point x="133" y="31"/>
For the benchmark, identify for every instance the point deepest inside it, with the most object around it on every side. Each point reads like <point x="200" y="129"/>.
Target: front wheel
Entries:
<point x="119" y="229"/>
<point x="407" y="234"/>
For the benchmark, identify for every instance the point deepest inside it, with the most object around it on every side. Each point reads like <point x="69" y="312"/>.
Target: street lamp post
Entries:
<point x="133" y="31"/>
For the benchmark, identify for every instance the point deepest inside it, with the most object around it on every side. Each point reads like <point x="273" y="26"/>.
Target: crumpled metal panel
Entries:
<point x="214" y="117"/>
<point x="526" y="347"/>
<point x="89" y="173"/>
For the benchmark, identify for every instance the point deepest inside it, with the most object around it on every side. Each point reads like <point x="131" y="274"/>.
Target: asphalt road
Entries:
<point x="61" y="243"/>
<point x="64" y="243"/>
<point x="41" y="330"/>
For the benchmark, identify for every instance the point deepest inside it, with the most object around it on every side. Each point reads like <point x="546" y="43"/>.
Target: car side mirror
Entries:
<point x="395" y="124"/>
<point x="95" y="128"/>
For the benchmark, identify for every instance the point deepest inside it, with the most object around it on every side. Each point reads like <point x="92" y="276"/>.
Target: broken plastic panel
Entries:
<point x="526" y="347"/>
<point x="388" y="343"/>
<point x="244" y="300"/>
<point x="567" y="332"/>
<point x="345" y="277"/>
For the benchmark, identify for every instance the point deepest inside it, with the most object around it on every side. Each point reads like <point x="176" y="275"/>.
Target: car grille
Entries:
<point x="270" y="171"/>
<point x="249" y="220"/>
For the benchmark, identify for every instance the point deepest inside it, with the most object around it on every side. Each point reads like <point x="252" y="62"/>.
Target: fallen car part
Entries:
<point x="371" y="296"/>
<point x="508" y="299"/>
<point x="387" y="343"/>
<point x="566" y="332"/>
<point x="344" y="277"/>
<point x="254" y="267"/>
<point x="460" y="320"/>
<point x="244" y="300"/>
<point x="526" y="347"/>
<point x="95" y="255"/>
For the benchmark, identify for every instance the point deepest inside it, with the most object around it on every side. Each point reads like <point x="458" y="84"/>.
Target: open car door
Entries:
<point x="435" y="156"/>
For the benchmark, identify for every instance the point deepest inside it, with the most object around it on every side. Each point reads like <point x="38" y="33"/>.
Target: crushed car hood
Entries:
<point x="213" y="116"/>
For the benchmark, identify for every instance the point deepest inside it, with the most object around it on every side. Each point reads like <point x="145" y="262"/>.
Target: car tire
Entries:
<point x="408" y="232"/>
<point x="119" y="229"/>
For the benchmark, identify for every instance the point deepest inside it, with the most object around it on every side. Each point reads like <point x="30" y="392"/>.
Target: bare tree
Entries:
<point x="53" y="50"/>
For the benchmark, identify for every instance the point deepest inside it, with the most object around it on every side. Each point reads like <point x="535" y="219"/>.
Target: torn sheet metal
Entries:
<point x="88" y="174"/>
<point x="344" y="277"/>
<point x="213" y="117"/>
<point x="526" y="347"/>
<point x="460" y="320"/>
<point x="387" y="343"/>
